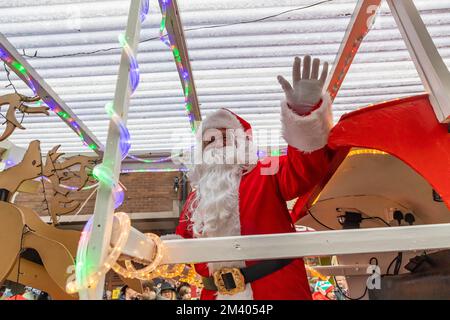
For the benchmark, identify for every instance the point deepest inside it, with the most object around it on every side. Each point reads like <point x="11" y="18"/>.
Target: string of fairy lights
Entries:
<point x="7" y="59"/>
<point x="83" y="278"/>
<point x="104" y="175"/>
<point x="19" y="67"/>
<point x="184" y="72"/>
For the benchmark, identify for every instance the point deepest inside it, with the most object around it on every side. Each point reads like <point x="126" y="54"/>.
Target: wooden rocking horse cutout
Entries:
<point x="22" y="229"/>
<point x="24" y="233"/>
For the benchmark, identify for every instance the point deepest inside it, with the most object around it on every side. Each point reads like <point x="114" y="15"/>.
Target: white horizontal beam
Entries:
<point x="290" y="245"/>
<point x="135" y="217"/>
<point x="309" y="244"/>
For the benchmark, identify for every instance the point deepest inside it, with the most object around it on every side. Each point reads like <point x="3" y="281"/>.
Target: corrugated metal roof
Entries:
<point x="234" y="66"/>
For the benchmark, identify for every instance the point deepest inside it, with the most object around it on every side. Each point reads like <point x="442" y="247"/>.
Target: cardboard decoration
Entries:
<point x="84" y="163"/>
<point x="16" y="102"/>
<point x="50" y="171"/>
<point x="55" y="209"/>
<point x="56" y="247"/>
<point x="29" y="168"/>
<point x="11" y="227"/>
<point x="34" y="275"/>
<point x="29" y="186"/>
<point x="22" y="228"/>
<point x="57" y="172"/>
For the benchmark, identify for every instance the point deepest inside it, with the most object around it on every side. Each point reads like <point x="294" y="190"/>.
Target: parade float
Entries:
<point x="383" y="205"/>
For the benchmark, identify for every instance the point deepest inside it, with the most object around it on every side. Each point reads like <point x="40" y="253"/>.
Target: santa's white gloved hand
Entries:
<point x="306" y="89"/>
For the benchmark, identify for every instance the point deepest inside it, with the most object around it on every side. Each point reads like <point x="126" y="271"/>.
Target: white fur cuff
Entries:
<point x="307" y="133"/>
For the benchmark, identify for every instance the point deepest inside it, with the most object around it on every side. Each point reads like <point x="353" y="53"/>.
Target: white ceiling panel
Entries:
<point x="237" y="48"/>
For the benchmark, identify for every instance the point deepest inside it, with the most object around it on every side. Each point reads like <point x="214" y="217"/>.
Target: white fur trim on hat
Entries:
<point x="171" y="236"/>
<point x="221" y="119"/>
<point x="307" y="133"/>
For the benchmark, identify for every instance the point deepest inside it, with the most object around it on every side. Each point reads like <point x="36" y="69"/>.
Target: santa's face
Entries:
<point x="214" y="137"/>
<point x="227" y="146"/>
<point x="216" y="180"/>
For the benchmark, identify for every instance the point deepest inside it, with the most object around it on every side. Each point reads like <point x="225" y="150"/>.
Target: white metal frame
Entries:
<point x="99" y="242"/>
<point x="290" y="245"/>
<point x="429" y="64"/>
<point x="363" y="15"/>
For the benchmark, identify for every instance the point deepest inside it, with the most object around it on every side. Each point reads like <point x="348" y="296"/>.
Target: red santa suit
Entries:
<point x="262" y="198"/>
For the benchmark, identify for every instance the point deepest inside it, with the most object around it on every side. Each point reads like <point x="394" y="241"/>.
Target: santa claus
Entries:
<point x="233" y="194"/>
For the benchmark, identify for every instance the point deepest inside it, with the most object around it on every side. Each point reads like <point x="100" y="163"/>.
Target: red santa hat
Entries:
<point x="226" y="119"/>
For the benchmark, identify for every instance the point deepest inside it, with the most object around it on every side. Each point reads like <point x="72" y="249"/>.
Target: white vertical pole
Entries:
<point x="99" y="242"/>
<point x="429" y="64"/>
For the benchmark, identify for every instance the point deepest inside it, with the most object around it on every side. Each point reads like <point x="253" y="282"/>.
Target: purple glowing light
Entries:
<point x="261" y="153"/>
<point x="119" y="196"/>
<point x="144" y="10"/>
<point x="154" y="170"/>
<point x="51" y="105"/>
<point x="125" y="143"/>
<point x="3" y="54"/>
<point x="134" y="67"/>
<point x="31" y="85"/>
<point x="134" y="74"/>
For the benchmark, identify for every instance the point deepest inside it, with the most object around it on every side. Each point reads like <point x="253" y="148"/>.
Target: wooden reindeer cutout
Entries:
<point x="57" y="172"/>
<point x="22" y="228"/>
<point x="16" y="102"/>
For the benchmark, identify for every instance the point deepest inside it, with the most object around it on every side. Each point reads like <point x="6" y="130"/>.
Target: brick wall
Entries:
<point x="146" y="192"/>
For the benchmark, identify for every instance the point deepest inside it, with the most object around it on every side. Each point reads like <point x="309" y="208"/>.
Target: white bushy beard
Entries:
<point x="215" y="208"/>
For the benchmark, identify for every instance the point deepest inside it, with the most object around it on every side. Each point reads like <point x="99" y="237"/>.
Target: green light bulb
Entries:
<point x="109" y="107"/>
<point x="122" y="40"/>
<point x="19" y="67"/>
<point x="275" y="153"/>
